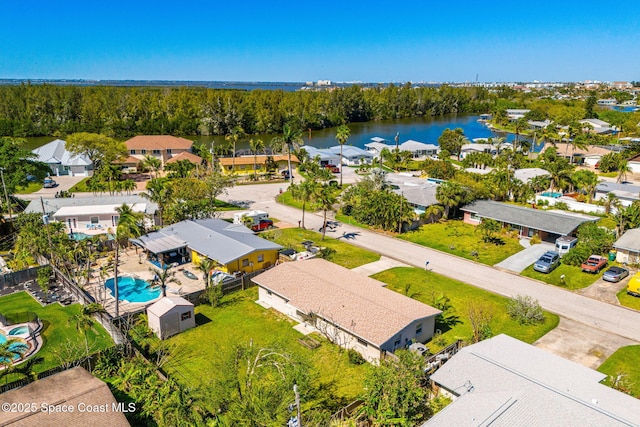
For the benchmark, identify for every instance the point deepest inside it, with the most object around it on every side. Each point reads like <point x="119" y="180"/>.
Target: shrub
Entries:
<point x="525" y="310"/>
<point x="355" y="358"/>
<point x="561" y="205"/>
<point x="535" y="240"/>
<point x="577" y="255"/>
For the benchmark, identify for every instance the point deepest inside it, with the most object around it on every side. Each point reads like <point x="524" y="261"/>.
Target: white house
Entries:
<point x="326" y="157"/>
<point x="628" y="247"/>
<point x="170" y="316"/>
<point x="352" y="156"/>
<point x="515" y="114"/>
<point x="502" y="381"/>
<point x="61" y="161"/>
<point x="92" y="215"/>
<point x="419" y="149"/>
<point x="597" y="126"/>
<point x="634" y="164"/>
<point x="351" y="309"/>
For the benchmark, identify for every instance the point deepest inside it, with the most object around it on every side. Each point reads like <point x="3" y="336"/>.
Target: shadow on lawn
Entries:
<point x="201" y="319"/>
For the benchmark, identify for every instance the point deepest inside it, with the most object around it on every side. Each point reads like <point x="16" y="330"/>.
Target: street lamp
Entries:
<point x="6" y="195"/>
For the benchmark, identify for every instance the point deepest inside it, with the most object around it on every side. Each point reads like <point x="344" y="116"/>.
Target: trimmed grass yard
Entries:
<point x="628" y="300"/>
<point x="197" y="355"/>
<point x="425" y="285"/>
<point x="32" y="187"/>
<point x="346" y="255"/>
<point x="56" y="332"/>
<point x="625" y="361"/>
<point x="457" y="238"/>
<point x="574" y="278"/>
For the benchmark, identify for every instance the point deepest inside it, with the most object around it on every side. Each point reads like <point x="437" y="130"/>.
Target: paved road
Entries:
<point x="593" y="313"/>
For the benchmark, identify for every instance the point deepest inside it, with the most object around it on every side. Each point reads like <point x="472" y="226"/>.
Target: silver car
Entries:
<point x="547" y="262"/>
<point x="615" y="274"/>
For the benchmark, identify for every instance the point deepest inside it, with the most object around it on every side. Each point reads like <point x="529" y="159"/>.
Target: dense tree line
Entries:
<point x="40" y="110"/>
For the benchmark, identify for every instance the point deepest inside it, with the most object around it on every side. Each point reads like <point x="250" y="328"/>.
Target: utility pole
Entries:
<point x="6" y="195"/>
<point x="45" y="219"/>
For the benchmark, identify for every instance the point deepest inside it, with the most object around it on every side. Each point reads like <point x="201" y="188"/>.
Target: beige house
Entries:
<point x="628" y="247"/>
<point x="352" y="310"/>
<point x="170" y="315"/>
<point x="164" y="147"/>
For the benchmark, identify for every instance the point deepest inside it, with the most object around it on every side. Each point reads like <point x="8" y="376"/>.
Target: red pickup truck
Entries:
<point x="594" y="264"/>
<point x="333" y="168"/>
<point x="264" y="224"/>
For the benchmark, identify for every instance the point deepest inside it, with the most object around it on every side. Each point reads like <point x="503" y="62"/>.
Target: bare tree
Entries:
<point x="480" y="315"/>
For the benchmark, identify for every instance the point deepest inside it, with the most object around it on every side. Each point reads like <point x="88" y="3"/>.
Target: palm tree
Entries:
<point x="450" y="194"/>
<point x="129" y="185"/>
<point x="325" y="197"/>
<point x="519" y="126"/>
<point x="152" y="163"/>
<point x="342" y="135"/>
<point x="256" y="145"/>
<point x="291" y="138"/>
<point x="158" y="192"/>
<point x="206" y="265"/>
<point x="84" y="320"/>
<point x="129" y="226"/>
<point x="305" y="192"/>
<point x="163" y="277"/>
<point x="9" y="350"/>
<point x="623" y="170"/>
<point x="236" y="135"/>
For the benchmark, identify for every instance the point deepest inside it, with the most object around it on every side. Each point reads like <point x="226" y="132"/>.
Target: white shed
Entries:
<point x="170" y="316"/>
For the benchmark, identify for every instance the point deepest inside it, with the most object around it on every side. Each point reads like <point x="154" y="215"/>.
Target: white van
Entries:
<point x="565" y="243"/>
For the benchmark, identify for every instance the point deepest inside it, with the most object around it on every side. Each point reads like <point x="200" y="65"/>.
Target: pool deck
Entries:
<point x="134" y="263"/>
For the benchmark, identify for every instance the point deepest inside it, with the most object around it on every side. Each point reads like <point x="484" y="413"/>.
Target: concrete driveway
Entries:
<point x="523" y="259"/>
<point x="64" y="184"/>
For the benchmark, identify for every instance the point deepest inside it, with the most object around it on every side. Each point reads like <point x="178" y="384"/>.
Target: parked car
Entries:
<point x="615" y="274"/>
<point x="189" y="275"/>
<point x="263" y="224"/>
<point x="49" y="183"/>
<point x="547" y="262"/>
<point x="332" y="168"/>
<point x="594" y="264"/>
<point x="285" y="174"/>
<point x="633" y="287"/>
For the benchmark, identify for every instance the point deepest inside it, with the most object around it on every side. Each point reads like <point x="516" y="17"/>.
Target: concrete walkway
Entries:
<point x="384" y="263"/>
<point x="605" y="291"/>
<point x="590" y="312"/>
<point x="523" y="259"/>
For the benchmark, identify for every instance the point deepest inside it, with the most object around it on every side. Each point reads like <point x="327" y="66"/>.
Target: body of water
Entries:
<point x="426" y="130"/>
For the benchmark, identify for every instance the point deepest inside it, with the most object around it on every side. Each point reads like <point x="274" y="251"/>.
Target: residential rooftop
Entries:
<point x="505" y="382"/>
<point x="356" y="303"/>
<point x="54" y="205"/>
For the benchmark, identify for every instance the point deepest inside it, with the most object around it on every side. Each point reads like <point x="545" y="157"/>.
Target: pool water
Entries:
<point x="20" y="330"/>
<point x="551" y="194"/>
<point x="133" y="290"/>
<point x="15" y="346"/>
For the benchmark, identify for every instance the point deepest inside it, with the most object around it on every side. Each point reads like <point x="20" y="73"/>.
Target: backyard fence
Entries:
<point x="87" y="363"/>
<point x="15" y="278"/>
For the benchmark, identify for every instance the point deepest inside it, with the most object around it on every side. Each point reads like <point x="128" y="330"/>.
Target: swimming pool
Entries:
<point x="20" y="330"/>
<point x="555" y="195"/>
<point x="133" y="290"/>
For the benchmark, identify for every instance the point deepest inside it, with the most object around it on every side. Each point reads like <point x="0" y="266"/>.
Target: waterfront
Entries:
<point x="423" y="129"/>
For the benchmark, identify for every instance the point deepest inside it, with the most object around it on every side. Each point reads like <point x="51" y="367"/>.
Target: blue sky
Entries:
<point x="371" y="41"/>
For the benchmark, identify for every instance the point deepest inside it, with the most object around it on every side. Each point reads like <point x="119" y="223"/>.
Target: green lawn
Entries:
<point x="574" y="278"/>
<point x="457" y="238"/>
<point x="32" y="187"/>
<point x="81" y="187"/>
<point x="628" y="300"/>
<point x="197" y="353"/>
<point x="56" y="333"/>
<point x="346" y="255"/>
<point x="625" y="361"/>
<point x="608" y="174"/>
<point x="428" y="284"/>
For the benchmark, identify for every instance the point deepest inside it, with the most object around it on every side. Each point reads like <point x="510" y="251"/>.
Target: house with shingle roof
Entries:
<point x="164" y="147"/>
<point x="548" y="225"/>
<point x="63" y="162"/>
<point x="235" y="247"/>
<point x="628" y="247"/>
<point x="352" y="310"/>
<point x="504" y="382"/>
<point x="89" y="398"/>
